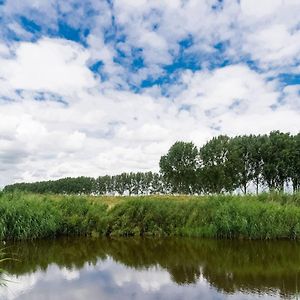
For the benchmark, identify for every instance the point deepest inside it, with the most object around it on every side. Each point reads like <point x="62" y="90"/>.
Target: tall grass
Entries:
<point x="267" y="216"/>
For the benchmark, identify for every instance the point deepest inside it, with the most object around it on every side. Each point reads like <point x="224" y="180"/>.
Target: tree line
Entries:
<point x="223" y="165"/>
<point x="227" y="164"/>
<point x="125" y="183"/>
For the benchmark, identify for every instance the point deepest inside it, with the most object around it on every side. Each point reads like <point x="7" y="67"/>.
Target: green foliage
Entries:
<point x="131" y="183"/>
<point x="79" y="216"/>
<point x="147" y="217"/>
<point x="31" y="216"/>
<point x="294" y="162"/>
<point x="276" y="154"/>
<point x="216" y="166"/>
<point x="79" y="185"/>
<point x="226" y="164"/>
<point x="179" y="167"/>
<point x="267" y="216"/>
<point x="243" y="158"/>
<point x="25" y="217"/>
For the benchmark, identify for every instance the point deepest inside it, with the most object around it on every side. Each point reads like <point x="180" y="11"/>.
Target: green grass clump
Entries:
<point x="147" y="217"/>
<point x="267" y="216"/>
<point x="27" y="217"/>
<point x="33" y="216"/>
<point x="79" y="216"/>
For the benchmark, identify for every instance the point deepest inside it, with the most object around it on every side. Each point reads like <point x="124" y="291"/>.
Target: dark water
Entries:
<point x="180" y="268"/>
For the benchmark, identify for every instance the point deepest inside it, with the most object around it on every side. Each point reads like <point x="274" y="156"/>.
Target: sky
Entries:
<point x="101" y="87"/>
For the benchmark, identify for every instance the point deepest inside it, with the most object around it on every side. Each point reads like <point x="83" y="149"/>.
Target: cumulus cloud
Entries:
<point x="138" y="76"/>
<point x="265" y="7"/>
<point x="49" y="65"/>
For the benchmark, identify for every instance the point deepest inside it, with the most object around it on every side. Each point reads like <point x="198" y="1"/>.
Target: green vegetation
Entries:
<point x="227" y="164"/>
<point x="132" y="183"/>
<point x="33" y="216"/>
<point x="222" y="165"/>
<point x="267" y="216"/>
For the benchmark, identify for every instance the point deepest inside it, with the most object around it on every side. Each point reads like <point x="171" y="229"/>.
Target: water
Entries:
<point x="173" y="268"/>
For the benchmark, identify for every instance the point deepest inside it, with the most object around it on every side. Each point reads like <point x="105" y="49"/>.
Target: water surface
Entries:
<point x="173" y="268"/>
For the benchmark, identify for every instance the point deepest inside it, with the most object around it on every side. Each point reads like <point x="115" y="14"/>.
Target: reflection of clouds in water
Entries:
<point x="109" y="280"/>
<point x="151" y="279"/>
<point x="69" y="274"/>
<point x="17" y="286"/>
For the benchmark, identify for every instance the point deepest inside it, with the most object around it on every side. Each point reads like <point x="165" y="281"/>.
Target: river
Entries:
<point x="171" y="268"/>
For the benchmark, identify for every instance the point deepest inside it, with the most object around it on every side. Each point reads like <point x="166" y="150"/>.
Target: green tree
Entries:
<point x="244" y="155"/>
<point x="217" y="169"/>
<point x="179" y="167"/>
<point x="256" y="146"/>
<point x="276" y="159"/>
<point x="294" y="171"/>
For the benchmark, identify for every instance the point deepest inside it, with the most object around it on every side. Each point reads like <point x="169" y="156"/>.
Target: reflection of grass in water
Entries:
<point x="2" y="271"/>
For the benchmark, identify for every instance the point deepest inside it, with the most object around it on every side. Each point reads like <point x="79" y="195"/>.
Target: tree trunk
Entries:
<point x="245" y="189"/>
<point x="257" y="183"/>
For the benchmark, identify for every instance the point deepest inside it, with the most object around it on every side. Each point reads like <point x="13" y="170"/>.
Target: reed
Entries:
<point x="267" y="216"/>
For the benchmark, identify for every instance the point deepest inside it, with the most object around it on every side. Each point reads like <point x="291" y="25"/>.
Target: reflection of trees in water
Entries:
<point x="227" y="265"/>
<point x="254" y="266"/>
<point x="69" y="253"/>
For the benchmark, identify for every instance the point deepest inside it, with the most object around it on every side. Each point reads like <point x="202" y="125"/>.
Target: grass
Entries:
<point x="267" y="216"/>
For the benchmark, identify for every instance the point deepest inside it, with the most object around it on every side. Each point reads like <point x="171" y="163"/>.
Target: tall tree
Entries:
<point x="276" y="159"/>
<point x="179" y="167"/>
<point x="216" y="173"/>
<point x="241" y="160"/>
<point x="257" y="163"/>
<point x="294" y="170"/>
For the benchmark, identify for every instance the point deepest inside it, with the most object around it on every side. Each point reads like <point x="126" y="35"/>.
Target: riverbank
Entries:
<point x="267" y="216"/>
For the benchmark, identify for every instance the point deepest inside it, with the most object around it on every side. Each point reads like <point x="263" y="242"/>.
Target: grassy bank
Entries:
<point x="267" y="216"/>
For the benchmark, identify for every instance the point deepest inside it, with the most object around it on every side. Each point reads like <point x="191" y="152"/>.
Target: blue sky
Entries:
<point x="100" y="87"/>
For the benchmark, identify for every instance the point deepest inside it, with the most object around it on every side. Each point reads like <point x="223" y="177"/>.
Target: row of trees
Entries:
<point x="222" y="165"/>
<point x="125" y="183"/>
<point x="227" y="164"/>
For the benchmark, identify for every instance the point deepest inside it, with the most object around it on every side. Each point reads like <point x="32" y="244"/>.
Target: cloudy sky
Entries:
<point x="100" y="87"/>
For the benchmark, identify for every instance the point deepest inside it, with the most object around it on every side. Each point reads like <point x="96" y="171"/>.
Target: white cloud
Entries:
<point x="58" y="120"/>
<point x="109" y="131"/>
<point x="49" y="65"/>
<point x="234" y="90"/>
<point x="291" y="98"/>
<point x="261" y="9"/>
<point x="274" y="45"/>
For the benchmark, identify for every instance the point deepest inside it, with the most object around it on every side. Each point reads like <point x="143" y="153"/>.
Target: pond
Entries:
<point x="171" y="268"/>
